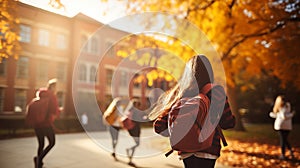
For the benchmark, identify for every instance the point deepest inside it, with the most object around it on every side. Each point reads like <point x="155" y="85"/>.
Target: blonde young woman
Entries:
<point x="197" y="75"/>
<point x="283" y="123"/>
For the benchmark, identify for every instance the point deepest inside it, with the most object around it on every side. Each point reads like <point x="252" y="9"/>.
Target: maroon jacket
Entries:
<point x="53" y="111"/>
<point x="227" y="121"/>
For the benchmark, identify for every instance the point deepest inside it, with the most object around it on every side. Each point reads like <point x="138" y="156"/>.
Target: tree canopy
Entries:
<point x="253" y="38"/>
<point x="9" y="30"/>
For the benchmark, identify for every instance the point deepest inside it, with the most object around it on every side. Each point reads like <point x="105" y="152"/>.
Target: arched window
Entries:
<point x="93" y="77"/>
<point x="82" y="72"/>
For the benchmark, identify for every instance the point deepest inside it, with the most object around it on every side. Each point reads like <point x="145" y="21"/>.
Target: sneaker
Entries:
<point x="131" y="164"/>
<point x="114" y="156"/>
<point x="37" y="163"/>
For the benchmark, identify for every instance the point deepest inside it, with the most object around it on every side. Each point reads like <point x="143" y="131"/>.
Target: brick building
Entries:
<point x="52" y="44"/>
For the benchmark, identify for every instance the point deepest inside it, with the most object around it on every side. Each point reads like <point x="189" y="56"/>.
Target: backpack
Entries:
<point x="110" y="115"/>
<point x="127" y="120"/>
<point x="37" y="111"/>
<point x="188" y="135"/>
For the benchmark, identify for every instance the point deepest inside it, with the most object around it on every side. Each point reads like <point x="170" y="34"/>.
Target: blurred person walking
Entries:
<point x="283" y="123"/>
<point x="45" y="128"/>
<point x="131" y="121"/>
<point x="112" y="117"/>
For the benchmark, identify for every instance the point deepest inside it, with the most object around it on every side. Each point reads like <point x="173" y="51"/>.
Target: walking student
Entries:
<point x="283" y="123"/>
<point x="45" y="128"/>
<point x="112" y="116"/>
<point x="133" y="117"/>
<point x="193" y="114"/>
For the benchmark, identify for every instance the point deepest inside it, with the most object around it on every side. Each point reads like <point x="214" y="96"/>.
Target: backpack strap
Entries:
<point x="206" y="88"/>
<point x="222" y="136"/>
<point x="169" y="152"/>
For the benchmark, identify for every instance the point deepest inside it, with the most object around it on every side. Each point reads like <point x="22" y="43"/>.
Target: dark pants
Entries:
<point x="195" y="162"/>
<point x="283" y="134"/>
<point x="114" y="133"/>
<point x="41" y="133"/>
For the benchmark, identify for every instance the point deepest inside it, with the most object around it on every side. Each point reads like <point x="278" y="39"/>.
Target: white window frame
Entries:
<point x="61" y="41"/>
<point x="20" y="100"/>
<point x="82" y="72"/>
<point x="22" y="67"/>
<point x="44" y="37"/>
<point x="25" y="33"/>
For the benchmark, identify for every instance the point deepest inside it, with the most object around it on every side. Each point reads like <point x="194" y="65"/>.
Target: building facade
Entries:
<point x="66" y="48"/>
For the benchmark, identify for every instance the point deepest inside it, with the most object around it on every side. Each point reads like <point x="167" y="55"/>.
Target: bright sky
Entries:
<point x="112" y="12"/>
<point x="104" y="12"/>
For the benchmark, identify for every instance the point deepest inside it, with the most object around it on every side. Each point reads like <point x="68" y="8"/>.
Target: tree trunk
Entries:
<point x="234" y="108"/>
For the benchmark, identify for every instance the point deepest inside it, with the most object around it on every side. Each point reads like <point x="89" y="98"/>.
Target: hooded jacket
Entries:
<point x="53" y="109"/>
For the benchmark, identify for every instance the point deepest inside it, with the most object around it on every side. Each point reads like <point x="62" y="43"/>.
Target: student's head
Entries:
<point x="197" y="73"/>
<point x="52" y="84"/>
<point x="279" y="102"/>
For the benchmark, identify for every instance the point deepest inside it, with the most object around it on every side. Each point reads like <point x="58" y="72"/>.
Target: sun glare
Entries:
<point x="103" y="12"/>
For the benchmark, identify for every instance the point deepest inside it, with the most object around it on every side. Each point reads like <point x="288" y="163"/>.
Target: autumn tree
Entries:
<point x="253" y="38"/>
<point x="9" y="30"/>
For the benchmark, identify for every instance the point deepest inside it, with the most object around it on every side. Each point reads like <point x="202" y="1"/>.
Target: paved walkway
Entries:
<point x="91" y="150"/>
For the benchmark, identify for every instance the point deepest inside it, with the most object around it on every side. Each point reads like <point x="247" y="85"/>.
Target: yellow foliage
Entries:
<point x="9" y="24"/>
<point x="244" y="33"/>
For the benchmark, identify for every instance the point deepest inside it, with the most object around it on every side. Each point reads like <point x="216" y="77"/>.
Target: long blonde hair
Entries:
<point x="198" y="72"/>
<point x="279" y="103"/>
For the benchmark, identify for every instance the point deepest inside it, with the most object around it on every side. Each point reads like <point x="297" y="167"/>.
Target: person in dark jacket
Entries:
<point x="46" y="129"/>
<point x="136" y="116"/>
<point x="198" y="74"/>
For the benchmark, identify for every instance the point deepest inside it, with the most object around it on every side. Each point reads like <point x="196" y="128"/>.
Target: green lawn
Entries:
<point x="263" y="133"/>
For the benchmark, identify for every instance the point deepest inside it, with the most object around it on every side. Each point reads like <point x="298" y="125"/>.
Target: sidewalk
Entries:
<point x="90" y="150"/>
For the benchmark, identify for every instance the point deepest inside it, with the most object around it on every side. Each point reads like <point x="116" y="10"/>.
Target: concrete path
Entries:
<point x="89" y="150"/>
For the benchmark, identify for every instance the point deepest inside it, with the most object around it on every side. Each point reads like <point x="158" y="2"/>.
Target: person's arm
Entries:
<point x="287" y="113"/>
<point x="227" y="119"/>
<point x="161" y="125"/>
<point x="272" y="114"/>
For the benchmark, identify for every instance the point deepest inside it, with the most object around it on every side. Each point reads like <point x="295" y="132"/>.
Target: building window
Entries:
<point x="3" y="67"/>
<point x="22" y="67"/>
<point x="82" y="72"/>
<point x="42" y="70"/>
<point x="61" y="71"/>
<point x="25" y="34"/>
<point x="94" y="45"/>
<point x="109" y="75"/>
<point x="20" y="100"/>
<point x="93" y="77"/>
<point x="44" y="37"/>
<point x="1" y="99"/>
<point x="61" y="41"/>
<point x="124" y="79"/>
